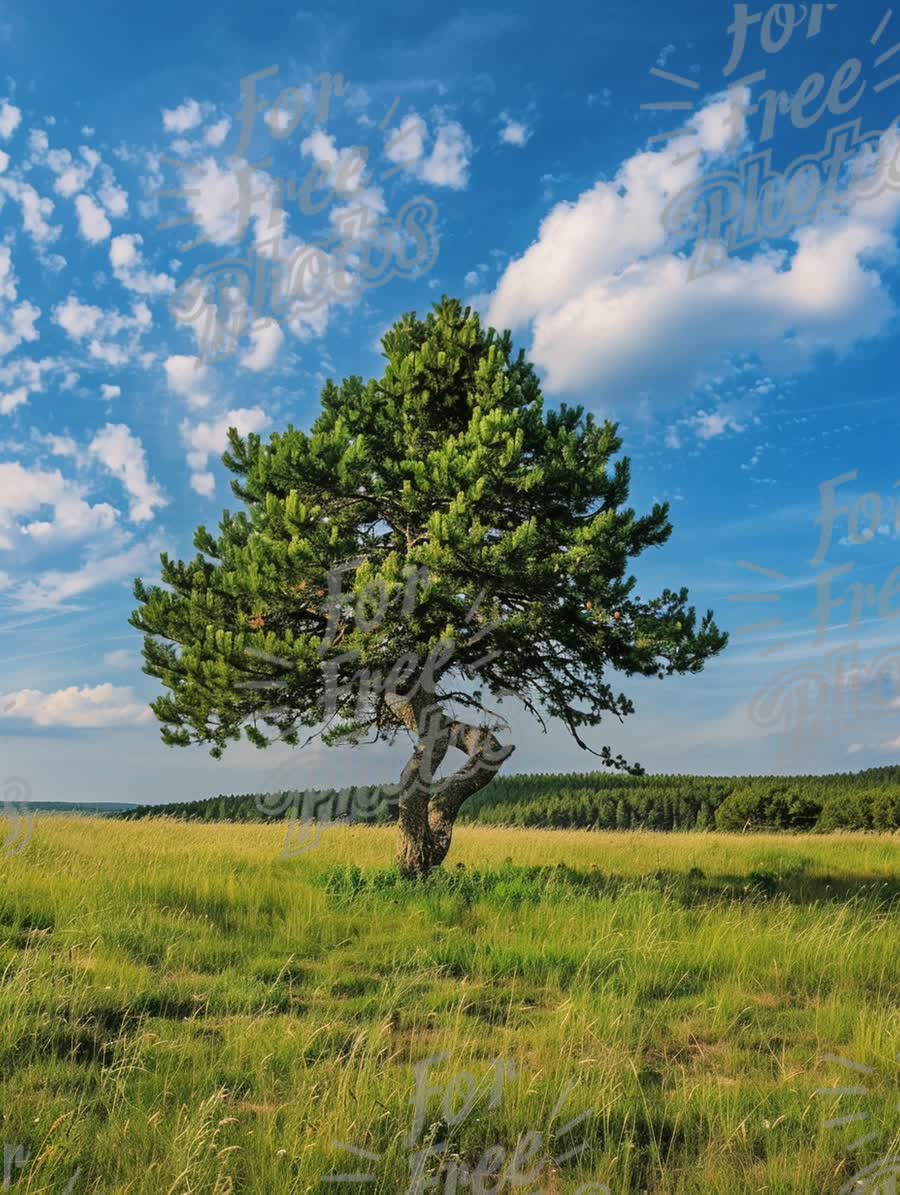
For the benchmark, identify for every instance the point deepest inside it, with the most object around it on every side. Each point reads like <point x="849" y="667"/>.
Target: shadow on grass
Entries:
<point x="511" y="885"/>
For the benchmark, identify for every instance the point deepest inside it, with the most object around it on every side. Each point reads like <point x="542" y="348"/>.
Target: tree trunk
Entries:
<point x="426" y="818"/>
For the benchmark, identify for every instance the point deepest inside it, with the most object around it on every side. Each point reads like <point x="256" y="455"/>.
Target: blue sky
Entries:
<point x="739" y="392"/>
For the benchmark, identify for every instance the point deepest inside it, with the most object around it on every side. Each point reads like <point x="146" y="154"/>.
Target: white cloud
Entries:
<point x="17" y="326"/>
<point x="127" y="263"/>
<point x="513" y="132"/>
<point x="186" y="376"/>
<point x="222" y="202"/>
<point x="73" y="518"/>
<point x="122" y="453"/>
<point x="407" y="143"/>
<point x="110" y="354"/>
<point x="710" y="424"/>
<point x="52" y="589"/>
<point x="100" y="706"/>
<point x="25" y="491"/>
<point x="17" y="323"/>
<point x="10" y="119"/>
<point x="345" y="167"/>
<point x="22" y="376"/>
<point x="82" y="320"/>
<point x="266" y="338"/>
<point x="120" y="660"/>
<point x="113" y="197"/>
<point x="216" y="133"/>
<point x="92" y="222"/>
<point x="205" y="439"/>
<point x="611" y="307"/>
<point x="13" y="399"/>
<point x="72" y="177"/>
<point x="446" y="165"/>
<point x="35" y="212"/>
<point x="76" y="318"/>
<point x="179" y="120"/>
<point x="203" y="483"/>
<point x="108" y="391"/>
<point x="8" y="280"/>
<point x="56" y="445"/>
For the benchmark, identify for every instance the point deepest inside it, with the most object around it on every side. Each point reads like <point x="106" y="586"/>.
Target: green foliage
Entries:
<point x="867" y="800"/>
<point x="866" y="809"/>
<point x="446" y="474"/>
<point x="771" y="805"/>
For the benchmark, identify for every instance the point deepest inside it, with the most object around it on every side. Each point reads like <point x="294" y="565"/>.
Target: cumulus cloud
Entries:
<point x="92" y="222"/>
<point x="36" y="210"/>
<point x="222" y="202"/>
<point x="8" y="280"/>
<point x="25" y="491"/>
<point x="100" y="706"/>
<point x="16" y="322"/>
<point x="216" y="133"/>
<point x="183" y="118"/>
<point x="56" y="445"/>
<point x="407" y="143"/>
<point x="75" y="318"/>
<point x="344" y="168"/>
<point x="21" y="377"/>
<point x="85" y="321"/>
<point x="266" y="337"/>
<point x="72" y="175"/>
<point x="448" y="162"/>
<point x="10" y="119"/>
<point x="122" y="454"/>
<point x="211" y="439"/>
<point x="612" y="310"/>
<point x="127" y="263"/>
<point x="113" y="197"/>
<point x="17" y="326"/>
<point x="513" y="132"/>
<point x="186" y="376"/>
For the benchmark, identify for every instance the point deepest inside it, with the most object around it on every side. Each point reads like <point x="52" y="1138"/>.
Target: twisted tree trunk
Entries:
<point x="426" y="818"/>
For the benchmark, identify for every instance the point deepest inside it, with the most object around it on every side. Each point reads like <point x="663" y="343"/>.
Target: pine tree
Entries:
<point x="512" y="524"/>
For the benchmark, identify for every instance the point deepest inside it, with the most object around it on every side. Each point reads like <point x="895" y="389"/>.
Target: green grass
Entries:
<point x="183" y="1012"/>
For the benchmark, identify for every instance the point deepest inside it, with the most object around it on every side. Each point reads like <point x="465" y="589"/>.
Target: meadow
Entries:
<point x="186" y="1012"/>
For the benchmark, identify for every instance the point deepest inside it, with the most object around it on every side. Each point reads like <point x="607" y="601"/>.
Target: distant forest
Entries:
<point x="868" y="800"/>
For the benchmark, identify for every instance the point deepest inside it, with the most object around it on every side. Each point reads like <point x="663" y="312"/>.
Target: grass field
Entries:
<point x="185" y="1012"/>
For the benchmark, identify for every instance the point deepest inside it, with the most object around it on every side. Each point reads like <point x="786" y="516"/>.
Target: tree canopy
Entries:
<point x="435" y="537"/>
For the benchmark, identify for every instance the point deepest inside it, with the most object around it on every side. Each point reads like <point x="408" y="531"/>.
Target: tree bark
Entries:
<point x="426" y="818"/>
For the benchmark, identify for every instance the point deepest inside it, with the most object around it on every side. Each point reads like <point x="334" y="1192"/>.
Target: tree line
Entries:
<point x="868" y="800"/>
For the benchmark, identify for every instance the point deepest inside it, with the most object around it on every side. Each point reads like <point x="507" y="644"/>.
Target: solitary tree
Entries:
<point x="437" y="534"/>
